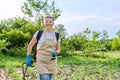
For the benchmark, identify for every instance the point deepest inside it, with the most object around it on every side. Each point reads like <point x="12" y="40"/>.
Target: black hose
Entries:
<point x="24" y="69"/>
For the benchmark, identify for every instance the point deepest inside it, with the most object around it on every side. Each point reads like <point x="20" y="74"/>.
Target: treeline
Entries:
<point x="16" y="33"/>
<point x="93" y="40"/>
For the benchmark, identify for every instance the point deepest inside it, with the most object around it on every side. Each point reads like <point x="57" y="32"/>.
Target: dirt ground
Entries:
<point x="4" y="74"/>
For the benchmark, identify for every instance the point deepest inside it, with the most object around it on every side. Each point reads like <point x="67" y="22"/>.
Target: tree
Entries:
<point x="87" y="45"/>
<point x="116" y="44"/>
<point x="38" y="8"/>
<point x="61" y="30"/>
<point x="87" y="32"/>
<point x="104" y="39"/>
<point x="64" y="42"/>
<point x="95" y="36"/>
<point x="77" y="41"/>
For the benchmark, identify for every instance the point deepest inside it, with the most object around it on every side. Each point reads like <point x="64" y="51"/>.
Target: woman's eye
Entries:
<point x="46" y="21"/>
<point x="50" y="21"/>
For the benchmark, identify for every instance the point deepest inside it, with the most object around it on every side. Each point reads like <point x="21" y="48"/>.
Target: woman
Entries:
<point x="47" y="47"/>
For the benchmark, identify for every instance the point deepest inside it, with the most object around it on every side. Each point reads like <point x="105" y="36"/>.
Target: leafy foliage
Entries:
<point x="116" y="44"/>
<point x="77" y="41"/>
<point x="16" y="37"/>
<point x="3" y="44"/>
<point x="21" y="51"/>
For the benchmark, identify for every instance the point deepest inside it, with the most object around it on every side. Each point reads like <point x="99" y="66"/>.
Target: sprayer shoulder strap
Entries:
<point x="39" y="35"/>
<point x="57" y="36"/>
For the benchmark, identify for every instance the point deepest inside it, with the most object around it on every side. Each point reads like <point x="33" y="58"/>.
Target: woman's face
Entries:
<point x="48" y="22"/>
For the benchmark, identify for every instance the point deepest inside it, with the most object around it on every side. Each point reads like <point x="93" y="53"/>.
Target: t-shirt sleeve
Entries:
<point x="35" y="35"/>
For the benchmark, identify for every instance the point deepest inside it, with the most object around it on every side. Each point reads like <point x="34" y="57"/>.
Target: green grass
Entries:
<point x="6" y="60"/>
<point x="76" y="67"/>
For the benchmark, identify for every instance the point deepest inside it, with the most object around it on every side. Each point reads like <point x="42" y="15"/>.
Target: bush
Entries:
<point x="3" y="44"/>
<point x="18" y="51"/>
<point x="65" y="47"/>
<point x="16" y="37"/>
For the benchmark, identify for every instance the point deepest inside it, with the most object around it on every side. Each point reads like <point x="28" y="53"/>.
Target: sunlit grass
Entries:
<point x="6" y="60"/>
<point x="17" y="61"/>
<point x="115" y="54"/>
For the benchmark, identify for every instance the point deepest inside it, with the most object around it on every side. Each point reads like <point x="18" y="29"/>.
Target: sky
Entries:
<point x="77" y="15"/>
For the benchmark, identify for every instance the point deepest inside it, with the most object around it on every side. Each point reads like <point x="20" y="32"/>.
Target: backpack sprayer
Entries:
<point x="25" y="67"/>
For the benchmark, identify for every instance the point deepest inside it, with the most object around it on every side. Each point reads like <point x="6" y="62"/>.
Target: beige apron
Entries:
<point x="44" y="63"/>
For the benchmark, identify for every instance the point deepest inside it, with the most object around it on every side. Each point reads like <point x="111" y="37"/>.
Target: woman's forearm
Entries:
<point x="58" y="48"/>
<point x="30" y="46"/>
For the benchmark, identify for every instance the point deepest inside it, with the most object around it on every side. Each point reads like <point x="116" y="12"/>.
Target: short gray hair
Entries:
<point x="49" y="17"/>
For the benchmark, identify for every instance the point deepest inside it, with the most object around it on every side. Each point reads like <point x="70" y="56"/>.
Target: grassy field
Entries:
<point x="75" y="67"/>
